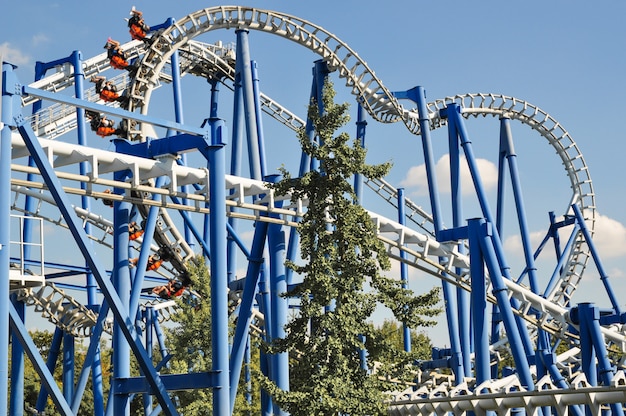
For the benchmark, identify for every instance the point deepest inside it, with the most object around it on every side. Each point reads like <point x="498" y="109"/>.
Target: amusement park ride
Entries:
<point x="53" y="176"/>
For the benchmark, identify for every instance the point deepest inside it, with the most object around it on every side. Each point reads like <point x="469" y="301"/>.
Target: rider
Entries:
<point x="134" y="231"/>
<point x="108" y="91"/>
<point x="118" y="57"/>
<point x="137" y="27"/>
<point x="103" y="126"/>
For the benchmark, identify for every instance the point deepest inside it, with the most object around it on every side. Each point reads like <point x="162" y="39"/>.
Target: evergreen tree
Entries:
<point x="342" y="283"/>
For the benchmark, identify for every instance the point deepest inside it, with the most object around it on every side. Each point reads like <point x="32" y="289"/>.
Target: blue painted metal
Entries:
<point x="53" y="355"/>
<point x="596" y="258"/>
<point x="462" y="297"/>
<point x="259" y="117"/>
<point x="142" y="260"/>
<point x="206" y="250"/>
<point x="47" y="380"/>
<point x="404" y="268"/>
<point x="255" y="261"/>
<point x="500" y="292"/>
<point x="418" y="96"/>
<point x="119" y="311"/>
<point x="16" y="403"/>
<point x="219" y="279"/>
<point x="279" y="304"/>
<point x="92" y="360"/>
<point x="121" y="281"/>
<point x="68" y="367"/>
<point x="561" y="259"/>
<point x="250" y="116"/>
<point x="8" y="109"/>
<point x="479" y="301"/>
<point x="455" y="116"/>
<point x="361" y="124"/>
<point x="149" y="320"/>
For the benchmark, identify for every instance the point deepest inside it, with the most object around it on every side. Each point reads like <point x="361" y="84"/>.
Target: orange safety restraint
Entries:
<point x="135" y="235"/>
<point x="105" y="131"/>
<point x="137" y="33"/>
<point x="108" y="95"/>
<point x="118" y="62"/>
<point x="153" y="265"/>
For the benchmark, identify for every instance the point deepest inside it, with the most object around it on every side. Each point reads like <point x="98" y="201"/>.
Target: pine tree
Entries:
<point x="342" y="283"/>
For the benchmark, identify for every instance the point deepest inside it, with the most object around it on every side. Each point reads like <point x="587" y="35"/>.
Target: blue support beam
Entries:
<point x="120" y="313"/>
<point x="47" y="380"/>
<point x="9" y="108"/>
<point x="219" y="275"/>
<point x="418" y="96"/>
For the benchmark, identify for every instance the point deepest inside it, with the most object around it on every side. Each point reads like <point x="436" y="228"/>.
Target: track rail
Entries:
<point x="377" y="99"/>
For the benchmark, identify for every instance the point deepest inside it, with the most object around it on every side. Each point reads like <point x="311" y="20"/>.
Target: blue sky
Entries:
<point x="566" y="57"/>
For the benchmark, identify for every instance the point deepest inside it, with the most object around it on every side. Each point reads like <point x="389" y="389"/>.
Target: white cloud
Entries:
<point x="40" y="39"/>
<point x="513" y="244"/>
<point x="609" y="237"/>
<point x="12" y="55"/>
<point x="417" y="184"/>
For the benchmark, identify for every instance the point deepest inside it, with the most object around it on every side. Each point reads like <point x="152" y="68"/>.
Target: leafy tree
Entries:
<point x="32" y="381"/>
<point x="342" y="283"/>
<point x="391" y="332"/>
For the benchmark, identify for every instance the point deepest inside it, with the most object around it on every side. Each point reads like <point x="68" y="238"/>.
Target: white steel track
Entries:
<point x="253" y="199"/>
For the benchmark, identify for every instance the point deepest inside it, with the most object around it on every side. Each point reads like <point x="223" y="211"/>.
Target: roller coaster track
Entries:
<point x="204" y="59"/>
<point x="254" y="199"/>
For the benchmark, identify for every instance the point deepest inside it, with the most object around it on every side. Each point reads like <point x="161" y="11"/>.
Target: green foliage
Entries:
<point x="342" y="255"/>
<point x="32" y="381"/>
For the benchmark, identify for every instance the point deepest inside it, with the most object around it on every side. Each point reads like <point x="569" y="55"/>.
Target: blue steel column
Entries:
<point x="147" y="398"/>
<point x="505" y="270"/>
<point x="6" y="79"/>
<point x="479" y="301"/>
<point x="589" y="315"/>
<point x="500" y="291"/>
<point x="121" y="282"/>
<point x="68" y="366"/>
<point x="259" y="119"/>
<point x="243" y="54"/>
<point x="464" y="313"/>
<point x="219" y="283"/>
<point x="17" y="363"/>
<point x="418" y="95"/>
<point x="404" y="269"/>
<point x="360" y="136"/>
<point x="53" y="354"/>
<point x="255" y="261"/>
<point x="596" y="258"/>
<point x="120" y="311"/>
<point x="278" y="287"/>
<point x="92" y="299"/>
<point x="144" y="254"/>
<point x="506" y="141"/>
<point x="178" y="114"/>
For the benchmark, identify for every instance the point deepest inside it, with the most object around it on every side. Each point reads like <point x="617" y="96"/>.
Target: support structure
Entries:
<point x="50" y="172"/>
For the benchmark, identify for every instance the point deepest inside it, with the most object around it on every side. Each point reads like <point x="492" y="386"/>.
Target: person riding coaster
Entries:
<point x="118" y="58"/>
<point x="103" y="126"/>
<point x="137" y="27"/>
<point x="107" y="91"/>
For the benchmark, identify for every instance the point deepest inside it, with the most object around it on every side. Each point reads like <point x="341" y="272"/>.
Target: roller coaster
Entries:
<point x="53" y="177"/>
